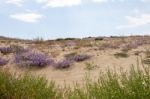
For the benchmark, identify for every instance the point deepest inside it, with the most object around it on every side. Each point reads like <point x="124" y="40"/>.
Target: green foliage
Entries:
<point x="25" y="87"/>
<point x="134" y="84"/>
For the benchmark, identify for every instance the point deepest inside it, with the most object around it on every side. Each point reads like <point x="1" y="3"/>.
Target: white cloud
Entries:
<point x="103" y="1"/>
<point x="136" y="21"/>
<point x="15" y="2"/>
<point x="29" y="17"/>
<point x="59" y="3"/>
<point x="100" y="1"/>
<point x="145" y="0"/>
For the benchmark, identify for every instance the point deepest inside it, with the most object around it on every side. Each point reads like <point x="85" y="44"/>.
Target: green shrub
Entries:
<point x="25" y="87"/>
<point x="134" y="84"/>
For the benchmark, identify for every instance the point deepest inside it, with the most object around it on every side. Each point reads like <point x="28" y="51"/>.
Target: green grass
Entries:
<point x="134" y="84"/>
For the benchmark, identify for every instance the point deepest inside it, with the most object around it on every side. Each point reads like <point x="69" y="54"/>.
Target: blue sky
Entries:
<point x="52" y="19"/>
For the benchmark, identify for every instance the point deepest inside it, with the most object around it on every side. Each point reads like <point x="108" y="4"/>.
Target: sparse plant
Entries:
<point x="147" y="53"/>
<point x="3" y="61"/>
<point x="70" y="55"/>
<point x="19" y="49"/>
<point x="146" y="61"/>
<point x="80" y="57"/>
<point x="63" y="64"/>
<point x="38" y="40"/>
<point x="6" y="50"/>
<point x="99" y="38"/>
<point x="121" y="55"/>
<point x="137" y="53"/>
<point x="91" y="66"/>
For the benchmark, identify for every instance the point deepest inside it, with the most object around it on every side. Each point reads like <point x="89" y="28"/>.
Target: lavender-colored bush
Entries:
<point x="81" y="57"/>
<point x="63" y="64"/>
<point x="19" y="49"/>
<point x="3" y="61"/>
<point x="33" y="59"/>
<point x="6" y="50"/>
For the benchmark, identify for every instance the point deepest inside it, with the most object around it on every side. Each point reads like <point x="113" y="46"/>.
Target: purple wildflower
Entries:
<point x="33" y="59"/>
<point x="3" y="61"/>
<point x="63" y="64"/>
<point x="6" y="50"/>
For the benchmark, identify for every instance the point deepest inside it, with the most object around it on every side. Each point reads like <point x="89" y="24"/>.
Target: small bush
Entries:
<point x="33" y="59"/>
<point x="63" y="64"/>
<point x="81" y="57"/>
<point x="90" y="66"/>
<point x="99" y="38"/>
<point x="121" y="55"/>
<point x="18" y="49"/>
<point x="6" y="50"/>
<point x="146" y="61"/>
<point x="3" y="61"/>
<point x="70" y="55"/>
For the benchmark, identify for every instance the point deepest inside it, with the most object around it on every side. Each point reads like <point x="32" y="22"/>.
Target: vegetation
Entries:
<point x="3" y="61"/>
<point x="90" y="66"/>
<point x="121" y="55"/>
<point x="26" y="87"/>
<point x="111" y="85"/>
<point x="6" y="50"/>
<point x="63" y="64"/>
<point x="32" y="59"/>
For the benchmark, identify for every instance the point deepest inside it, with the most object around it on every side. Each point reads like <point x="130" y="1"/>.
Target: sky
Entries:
<point x="50" y="19"/>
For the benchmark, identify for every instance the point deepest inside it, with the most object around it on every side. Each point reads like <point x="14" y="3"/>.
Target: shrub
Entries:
<point x="6" y="50"/>
<point x="90" y="66"/>
<point x="33" y="59"/>
<point x="63" y="64"/>
<point x="99" y="39"/>
<point x="81" y="57"/>
<point x="3" y="61"/>
<point x="26" y="87"/>
<point x="68" y="56"/>
<point x="146" y="61"/>
<point x="18" y="49"/>
<point x="70" y="39"/>
<point x="121" y="55"/>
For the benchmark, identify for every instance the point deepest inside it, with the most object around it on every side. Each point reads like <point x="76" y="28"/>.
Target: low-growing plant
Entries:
<point x="121" y="55"/>
<point x="80" y="57"/>
<point x="3" y="61"/>
<point x="137" y="53"/>
<point x="90" y="66"/>
<point x="6" y="50"/>
<point x="33" y="58"/>
<point x="19" y="49"/>
<point x="147" y="54"/>
<point x="146" y="61"/>
<point x="99" y="39"/>
<point x="26" y="87"/>
<point x="63" y="64"/>
<point x="70" y="55"/>
<point x="132" y="84"/>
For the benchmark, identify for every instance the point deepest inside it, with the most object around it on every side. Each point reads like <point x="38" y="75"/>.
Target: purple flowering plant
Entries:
<point x="33" y="58"/>
<point x="3" y="61"/>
